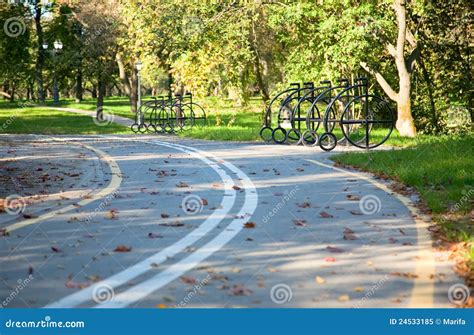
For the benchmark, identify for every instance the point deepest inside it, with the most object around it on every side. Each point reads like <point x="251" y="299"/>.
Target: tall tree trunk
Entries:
<point x="170" y="81"/>
<point x="129" y="84"/>
<point x="429" y="85"/>
<point x="12" y="92"/>
<point x="79" y="91"/>
<point x="405" y="65"/>
<point x="94" y="92"/>
<point x="40" y="52"/>
<point x="100" y="98"/>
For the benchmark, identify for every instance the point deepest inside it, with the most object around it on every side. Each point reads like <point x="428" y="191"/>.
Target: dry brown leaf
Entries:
<point x="325" y="215"/>
<point x="250" y="225"/>
<point x="122" y="248"/>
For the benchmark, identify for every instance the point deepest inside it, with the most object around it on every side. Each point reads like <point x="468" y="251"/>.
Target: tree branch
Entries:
<point x="412" y="59"/>
<point x="382" y="82"/>
<point x="5" y="94"/>
<point x="391" y="50"/>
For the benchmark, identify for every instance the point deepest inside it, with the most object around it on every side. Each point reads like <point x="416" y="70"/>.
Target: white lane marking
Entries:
<point x="136" y="270"/>
<point x="112" y="187"/>
<point x="176" y="270"/>
<point x="423" y="288"/>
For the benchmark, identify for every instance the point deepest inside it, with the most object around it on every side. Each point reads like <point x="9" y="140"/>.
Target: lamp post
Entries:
<point x="58" y="46"/>
<point x="138" y="66"/>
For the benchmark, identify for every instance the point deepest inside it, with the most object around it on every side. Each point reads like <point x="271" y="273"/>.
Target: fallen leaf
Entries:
<point x="236" y="270"/>
<point x="204" y="202"/>
<point x="320" y="280"/>
<point x="349" y="234"/>
<point x="172" y="224"/>
<point x="352" y="197"/>
<point x="4" y="232"/>
<point x="392" y="240"/>
<point x="153" y="235"/>
<point x="29" y="216"/>
<point x="325" y="215"/>
<point x="165" y="215"/>
<point x="334" y="249"/>
<point x="344" y="298"/>
<point x="56" y="249"/>
<point x="250" y="225"/>
<point x="299" y="222"/>
<point x="358" y="289"/>
<point x="270" y="269"/>
<point x="122" y="248"/>
<point x="30" y="270"/>
<point x="330" y="259"/>
<point x="72" y="284"/>
<point x="188" y="280"/>
<point x="161" y="306"/>
<point x="299" y="169"/>
<point x="355" y="213"/>
<point x="239" y="289"/>
<point x="305" y="204"/>
<point x="235" y="187"/>
<point x="112" y="214"/>
<point x="181" y="184"/>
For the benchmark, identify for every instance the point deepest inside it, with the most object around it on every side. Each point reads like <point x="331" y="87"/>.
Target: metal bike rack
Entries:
<point x="348" y="114"/>
<point x="169" y="115"/>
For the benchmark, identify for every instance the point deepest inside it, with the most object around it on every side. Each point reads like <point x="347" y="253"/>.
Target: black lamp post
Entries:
<point x="58" y="46"/>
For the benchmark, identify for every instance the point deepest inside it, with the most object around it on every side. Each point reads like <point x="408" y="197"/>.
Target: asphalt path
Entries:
<point x="164" y="222"/>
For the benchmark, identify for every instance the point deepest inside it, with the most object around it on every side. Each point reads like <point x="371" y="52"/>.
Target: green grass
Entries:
<point x="50" y="122"/>
<point x="441" y="171"/>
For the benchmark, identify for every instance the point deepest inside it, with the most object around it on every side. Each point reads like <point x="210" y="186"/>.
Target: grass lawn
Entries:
<point x="440" y="169"/>
<point x="45" y="121"/>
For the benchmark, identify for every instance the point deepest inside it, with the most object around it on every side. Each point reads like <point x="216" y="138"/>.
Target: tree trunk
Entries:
<point x="94" y="92"/>
<point x="12" y="92"/>
<point x="79" y="90"/>
<point x="100" y="99"/>
<point x="40" y="57"/>
<point x="129" y="84"/>
<point x="405" y="124"/>
<point x="170" y="82"/>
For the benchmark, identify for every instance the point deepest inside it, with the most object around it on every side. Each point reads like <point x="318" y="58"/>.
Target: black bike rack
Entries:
<point x="169" y="115"/>
<point x="347" y="112"/>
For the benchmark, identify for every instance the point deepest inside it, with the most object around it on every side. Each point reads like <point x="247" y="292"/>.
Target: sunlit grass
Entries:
<point x="50" y="122"/>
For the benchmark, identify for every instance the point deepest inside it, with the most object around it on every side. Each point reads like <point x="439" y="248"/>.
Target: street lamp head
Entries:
<point x="138" y="65"/>
<point x="45" y="45"/>
<point x="58" y="45"/>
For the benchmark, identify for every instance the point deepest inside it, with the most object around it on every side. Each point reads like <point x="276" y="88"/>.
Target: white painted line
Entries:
<point x="136" y="270"/>
<point x="173" y="272"/>
<point x="423" y="287"/>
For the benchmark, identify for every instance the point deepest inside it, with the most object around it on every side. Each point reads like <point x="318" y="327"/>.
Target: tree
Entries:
<point x="405" y="65"/>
